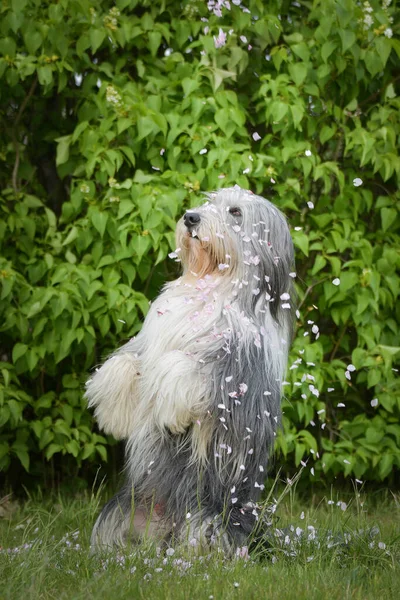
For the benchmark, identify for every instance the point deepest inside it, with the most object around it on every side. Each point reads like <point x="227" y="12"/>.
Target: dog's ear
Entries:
<point x="272" y="261"/>
<point x="246" y="395"/>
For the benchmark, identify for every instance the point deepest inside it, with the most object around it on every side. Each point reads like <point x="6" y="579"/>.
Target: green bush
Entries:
<point x="113" y="118"/>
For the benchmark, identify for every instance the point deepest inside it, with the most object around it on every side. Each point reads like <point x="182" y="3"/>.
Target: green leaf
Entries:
<point x="140" y="245"/>
<point x="97" y="37"/>
<point x="278" y="110"/>
<point x="72" y="447"/>
<point x="102" y="450"/>
<point x="298" y="72"/>
<point x="348" y="38"/>
<point x="88" y="450"/>
<point x="63" y="149"/>
<point x="78" y="131"/>
<point x="326" y="133"/>
<point x="374" y="377"/>
<point x="99" y="220"/>
<point x="301" y="240"/>
<point x="373" y="62"/>
<point x="18" y="351"/>
<point x="52" y="449"/>
<point x="388" y="216"/>
<point x="4" y="449"/>
<point x="68" y="413"/>
<point x="82" y="44"/>
<point x="104" y="324"/>
<point x="319" y="264"/>
<point x="299" y="453"/>
<point x="301" y="50"/>
<point x="327" y="50"/>
<point x="23" y="458"/>
<point x="33" y="41"/>
<point x="385" y="465"/>
<point x="146" y="126"/>
<point x="123" y="124"/>
<point x="384" y="48"/>
<point x="45" y="75"/>
<point x="8" y="47"/>
<point x="71" y="237"/>
<point x="154" y="41"/>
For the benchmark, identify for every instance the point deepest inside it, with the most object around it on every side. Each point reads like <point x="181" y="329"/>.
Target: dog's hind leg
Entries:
<point x="120" y="523"/>
<point x="230" y="531"/>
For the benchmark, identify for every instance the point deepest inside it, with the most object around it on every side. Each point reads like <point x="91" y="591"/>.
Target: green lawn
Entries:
<point x="343" y="551"/>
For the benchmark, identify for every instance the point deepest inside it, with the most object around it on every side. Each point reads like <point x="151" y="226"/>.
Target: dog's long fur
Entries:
<point x="197" y="393"/>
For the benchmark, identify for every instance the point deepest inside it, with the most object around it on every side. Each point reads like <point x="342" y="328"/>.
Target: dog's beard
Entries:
<point x="198" y="260"/>
<point x="204" y="249"/>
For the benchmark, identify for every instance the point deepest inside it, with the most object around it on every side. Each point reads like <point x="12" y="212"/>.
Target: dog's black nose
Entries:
<point x="191" y="219"/>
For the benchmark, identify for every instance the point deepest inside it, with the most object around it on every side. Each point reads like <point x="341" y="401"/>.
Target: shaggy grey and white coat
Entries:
<point x="197" y="393"/>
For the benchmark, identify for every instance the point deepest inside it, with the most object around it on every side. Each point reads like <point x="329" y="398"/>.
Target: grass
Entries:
<point x="345" y="550"/>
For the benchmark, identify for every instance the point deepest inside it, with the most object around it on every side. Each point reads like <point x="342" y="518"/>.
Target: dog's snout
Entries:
<point x="191" y="219"/>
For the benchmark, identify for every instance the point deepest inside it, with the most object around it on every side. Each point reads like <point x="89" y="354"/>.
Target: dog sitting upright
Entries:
<point x="197" y="393"/>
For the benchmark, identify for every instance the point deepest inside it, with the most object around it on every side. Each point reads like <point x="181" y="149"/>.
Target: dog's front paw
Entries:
<point x="176" y="426"/>
<point x="114" y="394"/>
<point x="176" y="429"/>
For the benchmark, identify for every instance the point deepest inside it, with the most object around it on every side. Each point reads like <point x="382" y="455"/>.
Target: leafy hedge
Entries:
<point x="113" y="119"/>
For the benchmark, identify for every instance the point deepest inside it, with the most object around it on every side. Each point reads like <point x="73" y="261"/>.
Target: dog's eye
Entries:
<point x="236" y="212"/>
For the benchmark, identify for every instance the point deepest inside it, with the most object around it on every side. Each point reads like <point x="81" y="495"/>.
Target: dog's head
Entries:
<point x="243" y="238"/>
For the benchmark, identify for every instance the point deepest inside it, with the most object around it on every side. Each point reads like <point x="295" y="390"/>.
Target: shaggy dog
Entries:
<point x="197" y="393"/>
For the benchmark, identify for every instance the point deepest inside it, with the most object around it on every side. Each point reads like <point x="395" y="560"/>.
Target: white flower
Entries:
<point x="203" y="151"/>
<point x="357" y="182"/>
<point x="351" y="368"/>
<point x="388" y="32"/>
<point x="310" y="204"/>
<point x="368" y="21"/>
<point x="220" y="40"/>
<point x="112" y="96"/>
<point x="308" y="153"/>
<point x="256" y="136"/>
<point x="374" y="402"/>
<point x="336" y="281"/>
